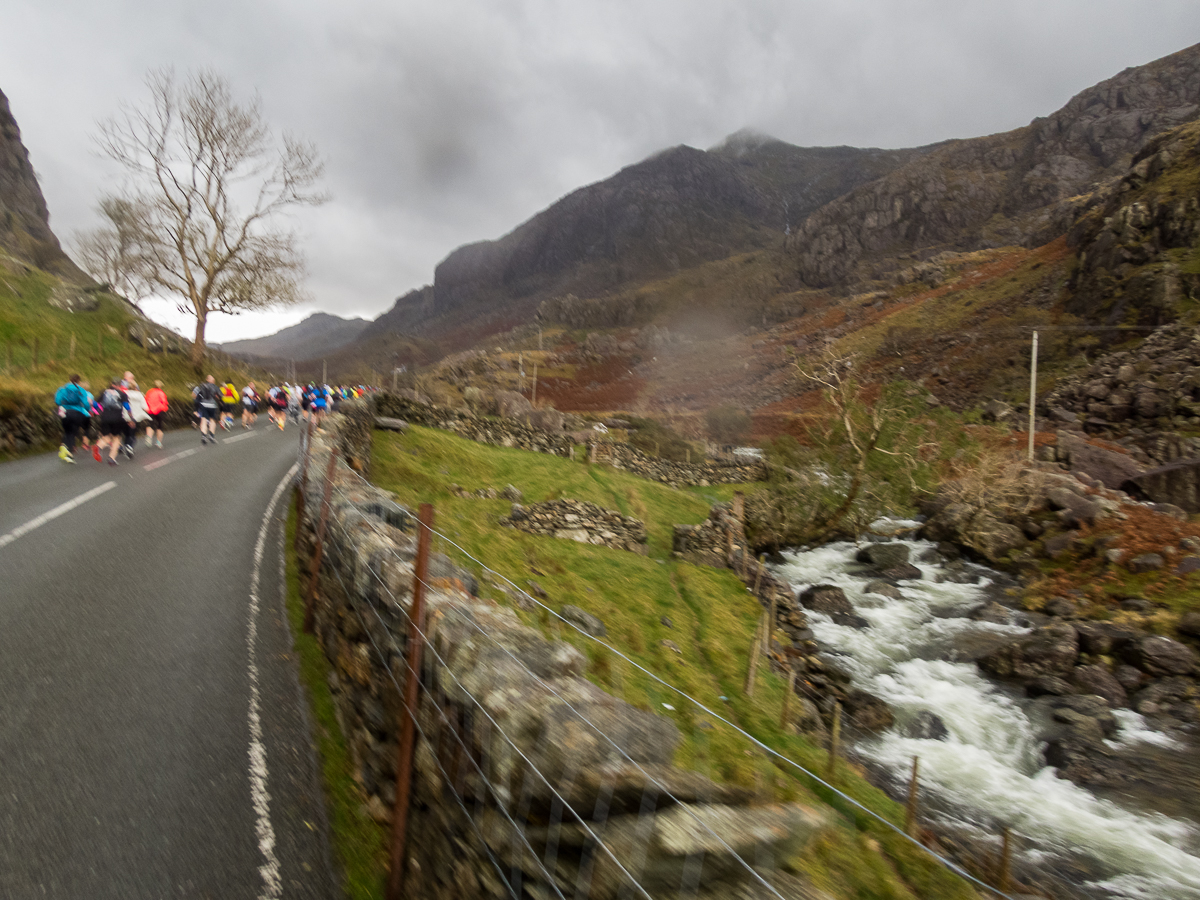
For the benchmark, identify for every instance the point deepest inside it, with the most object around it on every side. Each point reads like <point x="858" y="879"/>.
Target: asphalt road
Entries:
<point x="134" y="657"/>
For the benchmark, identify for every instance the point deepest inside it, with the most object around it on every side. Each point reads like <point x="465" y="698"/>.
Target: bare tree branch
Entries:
<point x="209" y="181"/>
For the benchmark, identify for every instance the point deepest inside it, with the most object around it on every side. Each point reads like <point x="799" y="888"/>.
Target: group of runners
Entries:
<point x="219" y="405"/>
<point x="121" y="410"/>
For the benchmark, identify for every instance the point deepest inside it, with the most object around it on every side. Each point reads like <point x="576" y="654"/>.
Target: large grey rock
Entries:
<point x="1074" y="509"/>
<point x="1146" y="562"/>
<point x="1108" y="466"/>
<point x="868" y="712"/>
<point x="584" y="621"/>
<point x="883" y="589"/>
<point x="704" y="844"/>
<point x="826" y="598"/>
<point x="884" y="555"/>
<point x="1099" y="681"/>
<point x="1189" y="624"/>
<point x="1159" y="656"/>
<point x="1177" y="483"/>
<point x="1051" y="650"/>
<point x="928" y="726"/>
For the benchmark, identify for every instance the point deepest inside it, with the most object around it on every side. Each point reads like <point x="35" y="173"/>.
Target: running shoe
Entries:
<point x="112" y="461"/>
<point x="158" y="444"/>
<point x="149" y="441"/>
<point x="96" y="453"/>
<point x="64" y="454"/>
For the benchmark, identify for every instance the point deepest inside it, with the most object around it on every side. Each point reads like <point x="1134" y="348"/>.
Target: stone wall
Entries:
<point x="505" y="432"/>
<point x="512" y="739"/>
<point x="29" y="424"/>
<point x="485" y="430"/>
<point x="629" y="459"/>
<point x="578" y="520"/>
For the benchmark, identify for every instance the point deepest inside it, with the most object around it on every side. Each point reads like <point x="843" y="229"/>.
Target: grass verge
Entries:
<point x="359" y="843"/>
<point x="689" y="625"/>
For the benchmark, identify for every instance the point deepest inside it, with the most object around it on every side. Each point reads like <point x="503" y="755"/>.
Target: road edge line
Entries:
<point x="260" y="796"/>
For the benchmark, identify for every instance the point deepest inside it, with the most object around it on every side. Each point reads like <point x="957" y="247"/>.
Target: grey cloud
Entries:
<point x="451" y="122"/>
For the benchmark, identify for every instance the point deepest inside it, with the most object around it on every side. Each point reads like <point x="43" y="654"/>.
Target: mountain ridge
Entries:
<point x="317" y="334"/>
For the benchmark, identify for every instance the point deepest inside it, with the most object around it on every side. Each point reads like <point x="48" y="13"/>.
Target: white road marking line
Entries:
<point x="269" y="870"/>
<point x="239" y="437"/>
<point x="150" y="467"/>
<point x="45" y="517"/>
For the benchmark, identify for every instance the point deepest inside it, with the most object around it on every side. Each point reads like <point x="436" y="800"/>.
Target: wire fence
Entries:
<point x="554" y="833"/>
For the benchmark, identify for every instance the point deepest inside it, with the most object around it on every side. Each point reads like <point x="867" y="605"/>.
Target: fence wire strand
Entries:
<point x="662" y="788"/>
<point x="499" y="730"/>
<point x="560" y="620"/>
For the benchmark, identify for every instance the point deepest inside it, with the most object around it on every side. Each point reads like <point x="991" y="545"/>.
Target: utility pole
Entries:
<point x="324" y="373"/>
<point x="1033" y="359"/>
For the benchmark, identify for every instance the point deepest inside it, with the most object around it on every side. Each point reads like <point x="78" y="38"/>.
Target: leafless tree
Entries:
<point x="208" y="186"/>
<point x="110" y="253"/>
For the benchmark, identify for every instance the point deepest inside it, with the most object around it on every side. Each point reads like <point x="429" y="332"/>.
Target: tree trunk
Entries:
<point x="198" y="348"/>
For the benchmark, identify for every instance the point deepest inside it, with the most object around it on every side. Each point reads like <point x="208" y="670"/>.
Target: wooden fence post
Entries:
<point x="310" y="598"/>
<point x="787" y="698"/>
<point x="910" y="808"/>
<point x="755" y="650"/>
<point x="1002" y="878"/>
<point x="404" y="753"/>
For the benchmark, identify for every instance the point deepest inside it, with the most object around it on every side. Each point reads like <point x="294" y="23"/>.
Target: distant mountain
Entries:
<point x="1004" y="189"/>
<point x="675" y="210"/>
<point x="24" y="220"/>
<point x="319" y="334"/>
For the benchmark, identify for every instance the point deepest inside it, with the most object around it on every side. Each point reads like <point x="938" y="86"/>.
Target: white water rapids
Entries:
<point x="990" y="768"/>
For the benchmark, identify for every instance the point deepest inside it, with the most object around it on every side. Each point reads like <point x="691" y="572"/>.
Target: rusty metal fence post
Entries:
<point x="310" y="597"/>
<point x="404" y="752"/>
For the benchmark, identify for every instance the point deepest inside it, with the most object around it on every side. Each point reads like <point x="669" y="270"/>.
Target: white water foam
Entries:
<point x="990" y="767"/>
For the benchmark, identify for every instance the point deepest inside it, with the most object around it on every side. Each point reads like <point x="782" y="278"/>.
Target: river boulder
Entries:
<point x="1161" y="656"/>
<point x="1099" y="681"/>
<point x="928" y="726"/>
<point x="1050" y="650"/>
<point x="827" y="599"/>
<point x="883" y="556"/>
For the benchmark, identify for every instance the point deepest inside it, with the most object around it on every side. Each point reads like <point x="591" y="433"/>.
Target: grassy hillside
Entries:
<point x="41" y="345"/>
<point x="692" y="626"/>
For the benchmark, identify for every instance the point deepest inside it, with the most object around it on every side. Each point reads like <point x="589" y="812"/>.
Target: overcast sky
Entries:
<point x="449" y="122"/>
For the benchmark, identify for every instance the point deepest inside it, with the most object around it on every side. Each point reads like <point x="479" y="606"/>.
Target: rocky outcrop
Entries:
<point x="578" y="520"/>
<point x="1002" y="189"/>
<point x="1155" y="387"/>
<point x="24" y="219"/>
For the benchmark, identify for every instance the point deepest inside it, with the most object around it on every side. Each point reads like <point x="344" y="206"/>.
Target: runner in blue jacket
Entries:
<point x="74" y="407"/>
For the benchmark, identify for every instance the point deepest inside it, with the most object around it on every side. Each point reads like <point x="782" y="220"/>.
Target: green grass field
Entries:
<point x="703" y="651"/>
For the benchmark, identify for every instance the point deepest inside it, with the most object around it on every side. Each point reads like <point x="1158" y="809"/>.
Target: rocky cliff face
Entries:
<point x="1011" y="188"/>
<point x="24" y="220"/>
<point x="673" y="211"/>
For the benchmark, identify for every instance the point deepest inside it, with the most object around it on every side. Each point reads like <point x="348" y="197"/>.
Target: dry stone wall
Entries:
<point x="505" y="432"/>
<point x="511" y="736"/>
<point x="578" y="520"/>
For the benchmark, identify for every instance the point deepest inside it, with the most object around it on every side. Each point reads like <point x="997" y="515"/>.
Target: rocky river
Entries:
<point x="1125" y="824"/>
